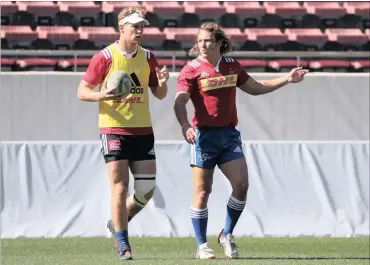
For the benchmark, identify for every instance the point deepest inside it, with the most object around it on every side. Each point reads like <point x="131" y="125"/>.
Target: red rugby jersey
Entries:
<point x="212" y="90"/>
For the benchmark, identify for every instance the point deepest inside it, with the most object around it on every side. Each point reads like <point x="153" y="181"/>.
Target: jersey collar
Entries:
<point x="217" y="67"/>
<point x="128" y="55"/>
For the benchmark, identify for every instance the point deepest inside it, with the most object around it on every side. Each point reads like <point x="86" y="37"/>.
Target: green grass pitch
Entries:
<point x="181" y="251"/>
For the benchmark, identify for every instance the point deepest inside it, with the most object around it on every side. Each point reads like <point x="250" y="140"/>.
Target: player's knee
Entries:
<point x="241" y="186"/>
<point x="203" y="193"/>
<point x="144" y="186"/>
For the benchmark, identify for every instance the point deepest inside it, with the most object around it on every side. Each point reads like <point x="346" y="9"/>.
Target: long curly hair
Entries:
<point x="217" y="34"/>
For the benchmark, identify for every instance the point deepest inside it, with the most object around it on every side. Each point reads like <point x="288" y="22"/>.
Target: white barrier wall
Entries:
<point x="326" y="106"/>
<point x="50" y="189"/>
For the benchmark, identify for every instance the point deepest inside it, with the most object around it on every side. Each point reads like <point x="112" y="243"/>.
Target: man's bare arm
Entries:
<point x="181" y="99"/>
<point x="256" y="88"/>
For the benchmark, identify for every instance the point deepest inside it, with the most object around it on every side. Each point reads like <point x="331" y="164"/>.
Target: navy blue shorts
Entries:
<point x="216" y="146"/>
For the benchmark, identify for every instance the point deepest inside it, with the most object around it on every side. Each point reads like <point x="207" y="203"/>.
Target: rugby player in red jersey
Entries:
<point x="210" y="82"/>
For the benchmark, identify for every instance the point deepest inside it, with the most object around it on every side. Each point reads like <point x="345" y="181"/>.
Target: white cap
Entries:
<point x="133" y="19"/>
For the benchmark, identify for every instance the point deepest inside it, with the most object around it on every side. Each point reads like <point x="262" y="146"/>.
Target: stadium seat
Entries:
<point x="61" y="36"/>
<point x="99" y="36"/>
<point x="270" y="38"/>
<point x="350" y="39"/>
<point x="167" y="11"/>
<point x="153" y="38"/>
<point x="43" y="11"/>
<point x="251" y="65"/>
<point x="250" y="11"/>
<point x="361" y="66"/>
<point x="284" y="65"/>
<point x="6" y="64"/>
<point x="329" y="66"/>
<point x="69" y="64"/>
<point x="325" y="9"/>
<point x="18" y="36"/>
<point x="184" y="36"/>
<point x="175" y="65"/>
<point x="116" y="7"/>
<point x="289" y="11"/>
<point x="35" y="64"/>
<point x="308" y="39"/>
<point x="205" y="10"/>
<point x="329" y="12"/>
<point x="189" y="20"/>
<point x="285" y="9"/>
<point x="87" y="12"/>
<point x="361" y="9"/>
<point x="237" y="37"/>
<point x="7" y="10"/>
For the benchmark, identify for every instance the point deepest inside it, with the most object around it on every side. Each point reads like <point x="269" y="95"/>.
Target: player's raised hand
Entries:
<point x="297" y="75"/>
<point x="189" y="133"/>
<point x="162" y="74"/>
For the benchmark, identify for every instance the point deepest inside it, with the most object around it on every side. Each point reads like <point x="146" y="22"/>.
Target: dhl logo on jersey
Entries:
<point x="131" y="100"/>
<point x="218" y="82"/>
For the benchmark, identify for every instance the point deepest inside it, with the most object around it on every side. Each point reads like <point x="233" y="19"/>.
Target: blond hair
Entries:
<point x="131" y="10"/>
<point x="217" y="35"/>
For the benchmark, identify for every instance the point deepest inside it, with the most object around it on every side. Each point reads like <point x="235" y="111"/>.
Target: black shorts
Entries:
<point x="127" y="147"/>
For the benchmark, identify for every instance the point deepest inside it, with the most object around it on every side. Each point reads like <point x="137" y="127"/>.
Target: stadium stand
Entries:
<point x="252" y="26"/>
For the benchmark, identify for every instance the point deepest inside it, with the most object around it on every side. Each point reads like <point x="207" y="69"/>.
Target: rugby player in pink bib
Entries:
<point x="210" y="82"/>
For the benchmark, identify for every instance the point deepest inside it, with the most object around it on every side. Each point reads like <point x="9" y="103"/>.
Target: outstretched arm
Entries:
<point x="256" y="88"/>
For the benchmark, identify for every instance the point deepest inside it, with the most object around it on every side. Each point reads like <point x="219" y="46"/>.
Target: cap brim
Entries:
<point x="136" y="20"/>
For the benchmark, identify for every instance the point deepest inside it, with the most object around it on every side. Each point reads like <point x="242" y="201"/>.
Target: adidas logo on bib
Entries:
<point x="238" y="150"/>
<point x="151" y="152"/>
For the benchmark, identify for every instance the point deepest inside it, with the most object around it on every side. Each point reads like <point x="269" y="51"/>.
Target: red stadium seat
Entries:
<point x="236" y="36"/>
<point x="285" y="9"/>
<point x="361" y="65"/>
<point x="253" y="65"/>
<point x="185" y="36"/>
<point x="347" y="36"/>
<point x="153" y="35"/>
<point x="178" y="64"/>
<point x="36" y="64"/>
<point x="57" y="35"/>
<point x="307" y="36"/>
<point x="116" y="7"/>
<point x="325" y="9"/>
<point x="165" y="9"/>
<point x="7" y="10"/>
<point x="88" y="8"/>
<point x="8" y="7"/>
<point x="329" y="65"/>
<point x="285" y="65"/>
<point x="39" y="8"/>
<point x="19" y="34"/>
<point x="253" y="9"/>
<point x="205" y="9"/>
<point x="69" y="64"/>
<point x="361" y="9"/>
<point x="6" y="64"/>
<point x="367" y="32"/>
<point x="265" y="35"/>
<point x="99" y="35"/>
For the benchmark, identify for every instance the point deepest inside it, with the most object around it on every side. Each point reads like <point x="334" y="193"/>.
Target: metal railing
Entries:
<point x="175" y="54"/>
